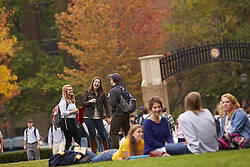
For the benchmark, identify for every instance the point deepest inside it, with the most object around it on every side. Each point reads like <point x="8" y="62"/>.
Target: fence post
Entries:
<point x="152" y="84"/>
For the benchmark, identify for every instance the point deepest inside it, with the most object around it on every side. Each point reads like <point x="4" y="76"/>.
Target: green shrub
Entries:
<point x="17" y="156"/>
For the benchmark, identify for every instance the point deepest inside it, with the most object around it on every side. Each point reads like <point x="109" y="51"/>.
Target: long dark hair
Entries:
<point x="100" y="89"/>
<point x="132" y="141"/>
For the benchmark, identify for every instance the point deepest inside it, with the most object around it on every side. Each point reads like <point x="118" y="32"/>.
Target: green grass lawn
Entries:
<point x="237" y="158"/>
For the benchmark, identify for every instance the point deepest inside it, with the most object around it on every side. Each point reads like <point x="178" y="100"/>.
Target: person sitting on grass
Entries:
<point x="133" y="145"/>
<point x="235" y="126"/>
<point x="156" y="128"/>
<point x="198" y="127"/>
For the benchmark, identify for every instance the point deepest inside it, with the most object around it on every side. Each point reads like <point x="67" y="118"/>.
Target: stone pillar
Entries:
<point x="152" y="84"/>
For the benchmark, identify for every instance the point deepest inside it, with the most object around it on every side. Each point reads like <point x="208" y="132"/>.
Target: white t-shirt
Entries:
<point x="227" y="126"/>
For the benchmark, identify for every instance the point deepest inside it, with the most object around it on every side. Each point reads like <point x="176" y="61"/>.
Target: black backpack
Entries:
<point x="127" y="102"/>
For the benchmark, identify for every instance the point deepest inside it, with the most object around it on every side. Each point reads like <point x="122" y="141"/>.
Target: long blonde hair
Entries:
<point x="132" y="141"/>
<point x="69" y="99"/>
<point x="233" y="100"/>
<point x="193" y="102"/>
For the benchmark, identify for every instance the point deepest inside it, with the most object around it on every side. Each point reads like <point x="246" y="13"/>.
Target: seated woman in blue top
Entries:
<point x="198" y="127"/>
<point x="234" y="124"/>
<point x="156" y="128"/>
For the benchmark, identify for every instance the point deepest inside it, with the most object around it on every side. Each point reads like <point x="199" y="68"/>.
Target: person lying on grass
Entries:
<point x="133" y="145"/>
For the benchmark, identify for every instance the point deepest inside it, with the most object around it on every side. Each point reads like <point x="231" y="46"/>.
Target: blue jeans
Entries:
<point x="105" y="156"/>
<point x="93" y="125"/>
<point x="177" y="149"/>
<point x="84" y="142"/>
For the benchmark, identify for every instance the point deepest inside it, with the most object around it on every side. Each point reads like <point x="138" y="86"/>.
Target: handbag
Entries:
<point x="158" y="154"/>
<point x="80" y="115"/>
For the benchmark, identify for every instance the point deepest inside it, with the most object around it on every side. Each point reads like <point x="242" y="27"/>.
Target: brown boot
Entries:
<point x="105" y="144"/>
<point x="94" y="146"/>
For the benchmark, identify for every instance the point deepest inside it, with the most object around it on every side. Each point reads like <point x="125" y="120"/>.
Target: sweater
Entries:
<point x="156" y="135"/>
<point x="199" y="131"/>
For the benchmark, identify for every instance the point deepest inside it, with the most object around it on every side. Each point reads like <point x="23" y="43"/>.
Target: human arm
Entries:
<point x="115" y="97"/>
<point x="238" y="121"/>
<point x="1" y="144"/>
<point x="63" y="108"/>
<point x="106" y="107"/>
<point x="25" y="140"/>
<point x="38" y="139"/>
<point x="50" y="138"/>
<point x="85" y="99"/>
<point x="169" y="137"/>
<point x="189" y="133"/>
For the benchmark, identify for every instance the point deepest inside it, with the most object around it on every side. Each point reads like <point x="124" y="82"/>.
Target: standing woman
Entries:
<point x="68" y="111"/>
<point x="198" y="127"/>
<point x="156" y="128"/>
<point x="94" y="101"/>
<point x="234" y="123"/>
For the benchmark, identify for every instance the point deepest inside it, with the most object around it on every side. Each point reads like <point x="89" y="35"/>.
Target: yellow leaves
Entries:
<point x="7" y="81"/>
<point x="8" y="84"/>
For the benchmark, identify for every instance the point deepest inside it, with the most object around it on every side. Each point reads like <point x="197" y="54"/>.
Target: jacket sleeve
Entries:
<point x="114" y="97"/>
<point x="238" y="122"/>
<point x="62" y="106"/>
<point x="148" y="136"/>
<point x="169" y="137"/>
<point x="106" y="107"/>
<point x="49" y="136"/>
<point x="37" y="134"/>
<point x="188" y="131"/>
<point x="85" y="100"/>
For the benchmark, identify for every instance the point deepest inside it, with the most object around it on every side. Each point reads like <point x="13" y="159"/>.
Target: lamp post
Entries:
<point x="243" y="78"/>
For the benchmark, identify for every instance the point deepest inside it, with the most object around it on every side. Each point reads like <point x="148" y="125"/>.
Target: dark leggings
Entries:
<point x="70" y="131"/>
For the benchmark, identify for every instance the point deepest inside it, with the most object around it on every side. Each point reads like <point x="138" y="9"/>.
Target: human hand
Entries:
<point x="38" y="146"/>
<point x="92" y="101"/>
<point x="25" y="147"/>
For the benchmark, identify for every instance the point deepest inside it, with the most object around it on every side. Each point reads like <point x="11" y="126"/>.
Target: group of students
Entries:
<point x="197" y="125"/>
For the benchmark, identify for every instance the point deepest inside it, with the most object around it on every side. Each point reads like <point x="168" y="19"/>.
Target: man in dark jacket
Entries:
<point x="120" y="119"/>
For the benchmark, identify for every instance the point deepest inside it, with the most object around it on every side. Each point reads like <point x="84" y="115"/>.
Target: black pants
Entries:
<point x="118" y="122"/>
<point x="68" y="125"/>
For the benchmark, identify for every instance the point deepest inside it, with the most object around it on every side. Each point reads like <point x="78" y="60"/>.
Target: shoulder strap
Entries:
<point x="67" y="104"/>
<point x="26" y="131"/>
<point x="35" y="133"/>
<point x="52" y="136"/>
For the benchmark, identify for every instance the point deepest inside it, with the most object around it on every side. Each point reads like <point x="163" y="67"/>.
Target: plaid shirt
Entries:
<point x="170" y="120"/>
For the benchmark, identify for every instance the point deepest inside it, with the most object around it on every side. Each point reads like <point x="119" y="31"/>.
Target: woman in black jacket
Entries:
<point x="94" y="101"/>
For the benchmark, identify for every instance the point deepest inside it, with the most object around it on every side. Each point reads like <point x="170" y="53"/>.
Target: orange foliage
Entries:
<point x="106" y="36"/>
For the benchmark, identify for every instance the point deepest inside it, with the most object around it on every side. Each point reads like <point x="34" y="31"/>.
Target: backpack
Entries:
<point x="56" y="115"/>
<point x="127" y="102"/>
<point x="26" y="131"/>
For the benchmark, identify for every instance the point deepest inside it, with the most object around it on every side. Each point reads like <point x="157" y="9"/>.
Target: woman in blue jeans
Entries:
<point x="133" y="145"/>
<point x="94" y="102"/>
<point x="198" y="127"/>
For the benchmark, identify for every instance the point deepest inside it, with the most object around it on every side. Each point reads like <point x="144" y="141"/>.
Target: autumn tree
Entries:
<point x="106" y="36"/>
<point x="197" y="22"/>
<point x="8" y="81"/>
